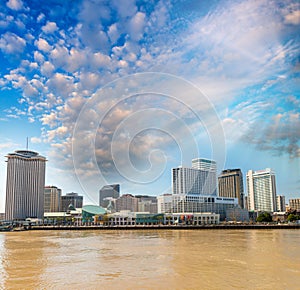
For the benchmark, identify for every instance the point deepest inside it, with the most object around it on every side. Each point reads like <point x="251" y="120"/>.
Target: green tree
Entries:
<point x="293" y="217"/>
<point x="264" y="217"/>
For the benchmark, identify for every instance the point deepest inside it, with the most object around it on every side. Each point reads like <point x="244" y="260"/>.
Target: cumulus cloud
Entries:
<point x="50" y="27"/>
<point x="43" y="45"/>
<point x="15" y="4"/>
<point x="11" y="43"/>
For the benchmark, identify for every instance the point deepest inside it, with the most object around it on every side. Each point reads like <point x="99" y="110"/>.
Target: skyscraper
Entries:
<point x="280" y="203"/>
<point x="230" y="183"/>
<point x="261" y="190"/>
<point x="52" y="196"/>
<point x="200" y="179"/>
<point x="108" y="191"/>
<point x="25" y="185"/>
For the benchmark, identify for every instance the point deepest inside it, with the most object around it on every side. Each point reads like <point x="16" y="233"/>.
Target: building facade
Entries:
<point x="71" y="198"/>
<point x="230" y="184"/>
<point x="294" y="204"/>
<point x="127" y="202"/>
<point x="147" y="203"/>
<point x="111" y="191"/>
<point x="25" y="185"/>
<point x="261" y="188"/>
<point x="280" y="203"/>
<point x="200" y="179"/>
<point x="52" y="196"/>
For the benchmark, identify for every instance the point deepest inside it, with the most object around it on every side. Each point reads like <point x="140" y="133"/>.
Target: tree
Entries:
<point x="293" y="217"/>
<point x="264" y="217"/>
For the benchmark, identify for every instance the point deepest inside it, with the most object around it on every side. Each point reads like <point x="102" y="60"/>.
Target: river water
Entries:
<point x="150" y="259"/>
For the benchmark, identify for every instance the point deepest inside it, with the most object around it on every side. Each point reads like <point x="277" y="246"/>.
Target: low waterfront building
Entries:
<point x="92" y="213"/>
<point x="196" y="219"/>
<point x="122" y="218"/>
<point x="196" y="203"/>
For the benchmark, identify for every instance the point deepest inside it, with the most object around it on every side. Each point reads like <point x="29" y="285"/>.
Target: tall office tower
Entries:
<point x="52" y="196"/>
<point x="200" y="179"/>
<point x="71" y="198"/>
<point x="230" y="183"/>
<point x="261" y="190"/>
<point x="108" y="191"/>
<point x="209" y="170"/>
<point x="25" y="185"/>
<point x="127" y="202"/>
<point x="280" y="203"/>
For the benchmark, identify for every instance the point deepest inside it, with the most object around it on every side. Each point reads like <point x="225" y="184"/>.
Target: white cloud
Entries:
<point x="35" y="140"/>
<point x="47" y="68"/>
<point x="136" y="26"/>
<point x="15" y="4"/>
<point x="293" y="18"/>
<point x="43" y="45"/>
<point x="50" y="27"/>
<point x="11" y="43"/>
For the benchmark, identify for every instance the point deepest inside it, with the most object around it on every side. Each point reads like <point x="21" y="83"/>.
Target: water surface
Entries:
<point x="173" y="259"/>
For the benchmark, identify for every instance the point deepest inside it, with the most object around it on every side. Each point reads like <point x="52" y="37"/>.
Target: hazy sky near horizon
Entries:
<point x="122" y="91"/>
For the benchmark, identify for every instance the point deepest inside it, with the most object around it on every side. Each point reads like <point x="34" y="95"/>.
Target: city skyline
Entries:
<point x="123" y="93"/>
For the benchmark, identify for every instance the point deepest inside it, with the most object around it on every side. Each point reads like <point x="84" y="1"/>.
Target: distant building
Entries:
<point x="201" y="179"/>
<point x="165" y="203"/>
<point x="127" y="202"/>
<point x="147" y="203"/>
<point x="107" y="192"/>
<point x="294" y="204"/>
<point x="230" y="183"/>
<point x="280" y="199"/>
<point x="261" y="189"/>
<point x="71" y="198"/>
<point x="25" y="185"/>
<point x="52" y="197"/>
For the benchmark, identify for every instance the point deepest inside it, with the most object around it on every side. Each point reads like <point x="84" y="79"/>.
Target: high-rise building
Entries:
<point x="108" y="191"/>
<point x="230" y="183"/>
<point x="25" y="185"/>
<point x="261" y="190"/>
<point x="294" y="204"/>
<point x="71" y="198"/>
<point x="200" y="179"/>
<point x="52" y="196"/>
<point x="127" y="202"/>
<point x="280" y="199"/>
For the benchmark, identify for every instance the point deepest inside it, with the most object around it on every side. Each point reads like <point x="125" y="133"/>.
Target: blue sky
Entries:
<point x="122" y="91"/>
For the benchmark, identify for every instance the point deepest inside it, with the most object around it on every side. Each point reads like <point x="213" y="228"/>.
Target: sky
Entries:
<point x="122" y="91"/>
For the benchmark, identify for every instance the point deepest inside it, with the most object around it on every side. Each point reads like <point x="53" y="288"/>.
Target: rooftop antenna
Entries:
<point x="27" y="143"/>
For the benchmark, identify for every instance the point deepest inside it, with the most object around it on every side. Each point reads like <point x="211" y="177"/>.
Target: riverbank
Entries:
<point x="164" y="227"/>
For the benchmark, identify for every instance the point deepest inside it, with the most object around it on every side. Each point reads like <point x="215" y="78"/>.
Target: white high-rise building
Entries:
<point x="25" y="185"/>
<point x="200" y="179"/>
<point x="261" y="189"/>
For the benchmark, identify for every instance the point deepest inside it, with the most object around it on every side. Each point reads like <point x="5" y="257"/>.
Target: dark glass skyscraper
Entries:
<point x="231" y="185"/>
